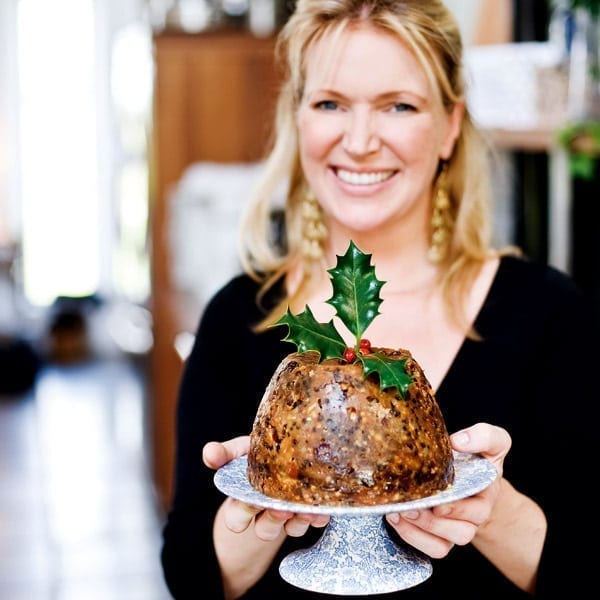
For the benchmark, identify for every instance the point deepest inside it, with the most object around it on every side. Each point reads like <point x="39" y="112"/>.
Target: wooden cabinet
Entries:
<point x="214" y="100"/>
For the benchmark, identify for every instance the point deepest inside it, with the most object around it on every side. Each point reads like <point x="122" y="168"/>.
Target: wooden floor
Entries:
<point x="78" y="520"/>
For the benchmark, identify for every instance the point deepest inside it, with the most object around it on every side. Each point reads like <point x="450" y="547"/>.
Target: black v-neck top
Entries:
<point x="532" y="373"/>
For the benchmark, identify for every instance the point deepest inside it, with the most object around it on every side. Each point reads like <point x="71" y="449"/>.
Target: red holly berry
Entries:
<point x="365" y="346"/>
<point x="349" y="355"/>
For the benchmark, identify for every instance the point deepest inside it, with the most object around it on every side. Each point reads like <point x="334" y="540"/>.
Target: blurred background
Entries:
<point x="130" y="133"/>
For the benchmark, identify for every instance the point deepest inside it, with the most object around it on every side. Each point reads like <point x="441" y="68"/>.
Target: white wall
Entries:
<point x="9" y="206"/>
<point x="466" y="12"/>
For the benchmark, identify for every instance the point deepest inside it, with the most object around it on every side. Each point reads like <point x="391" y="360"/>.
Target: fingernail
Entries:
<point x="411" y="514"/>
<point x="460" y="438"/>
<point x="394" y="518"/>
<point x="444" y="510"/>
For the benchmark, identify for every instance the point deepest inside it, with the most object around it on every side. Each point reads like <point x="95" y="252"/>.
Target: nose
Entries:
<point x="360" y="136"/>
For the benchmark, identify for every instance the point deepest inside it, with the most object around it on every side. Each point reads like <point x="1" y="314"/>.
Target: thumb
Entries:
<point x="490" y="441"/>
<point x="217" y="454"/>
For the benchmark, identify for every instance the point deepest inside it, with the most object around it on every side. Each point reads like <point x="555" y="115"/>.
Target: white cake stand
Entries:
<point x="356" y="555"/>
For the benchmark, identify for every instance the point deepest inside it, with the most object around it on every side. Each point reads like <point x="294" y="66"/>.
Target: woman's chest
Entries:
<point x="433" y="342"/>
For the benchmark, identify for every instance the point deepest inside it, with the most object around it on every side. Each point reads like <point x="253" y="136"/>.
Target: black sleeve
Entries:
<point x="533" y="374"/>
<point x="220" y="389"/>
<point x="565" y="443"/>
<point x="548" y="398"/>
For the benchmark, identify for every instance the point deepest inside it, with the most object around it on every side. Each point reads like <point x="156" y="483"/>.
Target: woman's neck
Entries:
<point x="400" y="260"/>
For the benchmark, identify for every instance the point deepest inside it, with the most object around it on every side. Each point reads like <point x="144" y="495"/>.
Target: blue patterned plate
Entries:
<point x="472" y="474"/>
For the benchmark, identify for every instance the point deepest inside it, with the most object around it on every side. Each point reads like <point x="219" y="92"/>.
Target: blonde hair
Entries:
<point x="430" y="31"/>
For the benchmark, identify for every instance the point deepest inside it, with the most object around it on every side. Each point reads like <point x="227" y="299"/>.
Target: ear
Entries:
<point x="455" y="118"/>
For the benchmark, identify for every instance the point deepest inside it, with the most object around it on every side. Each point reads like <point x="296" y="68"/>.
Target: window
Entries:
<point x="81" y="154"/>
<point x="58" y="150"/>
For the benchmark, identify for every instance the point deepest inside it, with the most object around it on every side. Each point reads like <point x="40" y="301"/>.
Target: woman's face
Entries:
<point x="371" y="132"/>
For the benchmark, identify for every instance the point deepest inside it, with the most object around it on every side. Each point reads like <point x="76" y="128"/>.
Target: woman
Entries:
<point x="375" y="144"/>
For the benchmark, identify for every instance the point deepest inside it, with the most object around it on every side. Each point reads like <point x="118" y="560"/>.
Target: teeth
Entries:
<point x="363" y="178"/>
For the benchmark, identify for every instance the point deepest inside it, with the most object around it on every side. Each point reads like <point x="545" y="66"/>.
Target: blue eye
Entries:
<point x="402" y="107"/>
<point x="326" y="105"/>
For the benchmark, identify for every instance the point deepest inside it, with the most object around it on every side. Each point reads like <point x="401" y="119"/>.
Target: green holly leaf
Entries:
<point x="308" y="334"/>
<point x="355" y="290"/>
<point x="391" y="371"/>
<point x="356" y="300"/>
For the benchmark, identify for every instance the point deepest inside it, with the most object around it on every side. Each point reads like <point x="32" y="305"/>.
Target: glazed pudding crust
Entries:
<point x="325" y="434"/>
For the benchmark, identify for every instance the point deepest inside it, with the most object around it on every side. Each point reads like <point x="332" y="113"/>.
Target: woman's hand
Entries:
<point x="247" y="537"/>
<point x="435" y="531"/>
<point x="217" y="454"/>
<point x="507" y="527"/>
<point x="268" y="524"/>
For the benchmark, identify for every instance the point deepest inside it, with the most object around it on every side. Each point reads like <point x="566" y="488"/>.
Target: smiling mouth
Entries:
<point x="370" y="178"/>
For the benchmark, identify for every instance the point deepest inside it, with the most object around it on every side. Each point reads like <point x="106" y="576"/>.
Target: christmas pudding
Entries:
<point x="343" y="426"/>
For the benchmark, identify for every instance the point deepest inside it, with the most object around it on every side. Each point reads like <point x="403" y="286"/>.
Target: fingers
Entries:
<point x="238" y="515"/>
<point x="476" y="510"/>
<point x="436" y="531"/>
<point x="411" y="527"/>
<point x="298" y="525"/>
<point x="432" y="533"/>
<point x="488" y="440"/>
<point x="217" y="454"/>
<point x="268" y="524"/>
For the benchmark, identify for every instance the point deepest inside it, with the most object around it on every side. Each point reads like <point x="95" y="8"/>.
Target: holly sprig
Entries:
<point x="356" y="299"/>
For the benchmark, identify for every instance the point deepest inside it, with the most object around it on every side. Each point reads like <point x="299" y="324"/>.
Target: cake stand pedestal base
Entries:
<point x="355" y="553"/>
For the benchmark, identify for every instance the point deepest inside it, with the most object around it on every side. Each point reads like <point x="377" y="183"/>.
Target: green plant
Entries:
<point x="356" y="300"/>
<point x="581" y="138"/>
<point x="582" y="142"/>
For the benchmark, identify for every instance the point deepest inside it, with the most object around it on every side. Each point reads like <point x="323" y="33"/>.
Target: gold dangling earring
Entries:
<point x="314" y="230"/>
<point x="441" y="221"/>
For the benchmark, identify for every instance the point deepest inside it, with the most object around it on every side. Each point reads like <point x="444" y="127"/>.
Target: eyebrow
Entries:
<point x="383" y="97"/>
